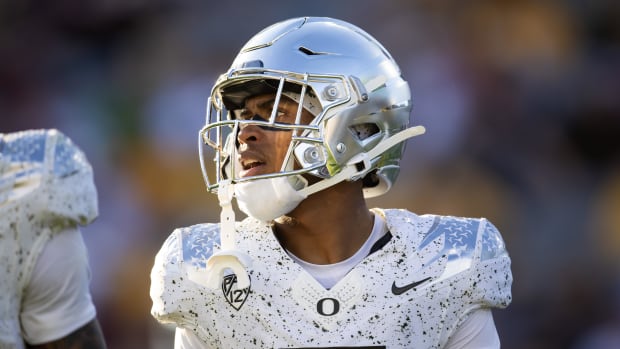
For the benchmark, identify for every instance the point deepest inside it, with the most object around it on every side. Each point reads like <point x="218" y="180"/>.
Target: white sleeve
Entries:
<point x="186" y="339"/>
<point x="57" y="300"/>
<point x="476" y="332"/>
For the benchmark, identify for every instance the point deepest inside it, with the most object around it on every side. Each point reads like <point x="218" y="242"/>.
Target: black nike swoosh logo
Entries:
<point x="400" y="290"/>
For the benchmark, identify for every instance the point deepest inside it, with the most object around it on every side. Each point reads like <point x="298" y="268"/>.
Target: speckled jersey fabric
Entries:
<point x="46" y="184"/>
<point x="412" y="293"/>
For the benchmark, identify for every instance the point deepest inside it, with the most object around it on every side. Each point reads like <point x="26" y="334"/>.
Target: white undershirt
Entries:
<point x="329" y="274"/>
<point x="57" y="300"/>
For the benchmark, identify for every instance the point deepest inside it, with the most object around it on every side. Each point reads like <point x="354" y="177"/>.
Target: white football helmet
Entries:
<point x="338" y="72"/>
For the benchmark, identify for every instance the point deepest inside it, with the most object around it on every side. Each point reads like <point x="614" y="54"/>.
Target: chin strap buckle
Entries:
<point x="229" y="257"/>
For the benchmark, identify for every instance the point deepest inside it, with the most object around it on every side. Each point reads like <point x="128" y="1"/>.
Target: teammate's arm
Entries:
<point x="88" y="336"/>
<point x="57" y="309"/>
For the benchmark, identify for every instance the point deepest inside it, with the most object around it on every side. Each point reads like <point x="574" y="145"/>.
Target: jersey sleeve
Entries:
<point x="57" y="299"/>
<point x="486" y="283"/>
<point x="172" y="292"/>
<point x="471" y="268"/>
<point x="491" y="278"/>
<point x="166" y="276"/>
<point x="477" y="331"/>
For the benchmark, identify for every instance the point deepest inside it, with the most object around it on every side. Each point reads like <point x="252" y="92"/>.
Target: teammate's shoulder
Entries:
<point x="48" y="177"/>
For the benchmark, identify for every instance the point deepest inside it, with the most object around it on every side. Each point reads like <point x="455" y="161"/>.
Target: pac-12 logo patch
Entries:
<point x="234" y="296"/>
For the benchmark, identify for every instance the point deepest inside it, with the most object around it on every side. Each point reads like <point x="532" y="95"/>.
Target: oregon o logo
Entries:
<point x="328" y="306"/>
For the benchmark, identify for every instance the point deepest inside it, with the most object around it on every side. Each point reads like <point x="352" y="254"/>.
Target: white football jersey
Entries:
<point x="417" y="285"/>
<point x="46" y="188"/>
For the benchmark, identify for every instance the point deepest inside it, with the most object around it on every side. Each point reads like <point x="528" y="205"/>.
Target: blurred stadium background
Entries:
<point x="521" y="101"/>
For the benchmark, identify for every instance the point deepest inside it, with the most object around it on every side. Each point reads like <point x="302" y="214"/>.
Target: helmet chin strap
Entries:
<point x="229" y="257"/>
<point x="351" y="169"/>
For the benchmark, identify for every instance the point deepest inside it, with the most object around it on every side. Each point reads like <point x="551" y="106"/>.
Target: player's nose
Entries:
<point x="249" y="133"/>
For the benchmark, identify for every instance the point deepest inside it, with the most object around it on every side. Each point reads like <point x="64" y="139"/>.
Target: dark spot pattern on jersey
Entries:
<point x="462" y="262"/>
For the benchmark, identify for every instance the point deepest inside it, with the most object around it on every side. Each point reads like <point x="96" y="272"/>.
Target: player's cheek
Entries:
<point x="282" y="142"/>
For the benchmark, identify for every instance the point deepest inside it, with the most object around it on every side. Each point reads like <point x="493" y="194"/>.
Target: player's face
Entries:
<point x="262" y="150"/>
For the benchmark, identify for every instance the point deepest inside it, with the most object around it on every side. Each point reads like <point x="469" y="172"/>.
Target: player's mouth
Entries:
<point x="251" y="167"/>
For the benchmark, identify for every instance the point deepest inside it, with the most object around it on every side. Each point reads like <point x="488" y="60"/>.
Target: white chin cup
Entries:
<point x="268" y="199"/>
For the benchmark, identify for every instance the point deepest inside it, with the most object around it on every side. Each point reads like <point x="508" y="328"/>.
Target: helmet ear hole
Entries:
<point x="364" y="131"/>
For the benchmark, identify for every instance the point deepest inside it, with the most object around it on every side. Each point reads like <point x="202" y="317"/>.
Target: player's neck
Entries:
<point x="327" y="227"/>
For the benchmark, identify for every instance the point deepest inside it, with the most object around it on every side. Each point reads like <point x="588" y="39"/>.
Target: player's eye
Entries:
<point x="243" y="114"/>
<point x="282" y="116"/>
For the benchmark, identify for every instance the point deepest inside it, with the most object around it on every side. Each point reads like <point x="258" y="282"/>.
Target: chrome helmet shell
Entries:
<point x="337" y="71"/>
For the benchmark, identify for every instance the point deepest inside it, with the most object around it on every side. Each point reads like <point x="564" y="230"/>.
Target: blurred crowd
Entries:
<point x="521" y="101"/>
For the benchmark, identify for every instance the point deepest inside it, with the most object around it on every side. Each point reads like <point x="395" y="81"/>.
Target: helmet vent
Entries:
<point x="309" y="52"/>
<point x="257" y="63"/>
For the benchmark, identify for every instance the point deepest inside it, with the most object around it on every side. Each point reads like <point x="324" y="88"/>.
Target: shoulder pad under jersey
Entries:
<point x="185" y="247"/>
<point x="463" y="241"/>
<point x="467" y="255"/>
<point x="472" y="264"/>
<point x="45" y="176"/>
<point x="472" y="256"/>
<point x="464" y="259"/>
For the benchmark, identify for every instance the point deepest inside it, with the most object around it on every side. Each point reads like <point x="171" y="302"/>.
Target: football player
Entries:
<point x="46" y="192"/>
<point x="310" y="120"/>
